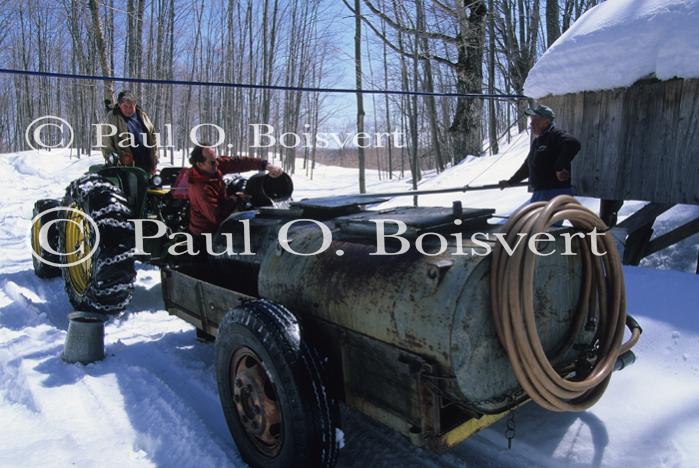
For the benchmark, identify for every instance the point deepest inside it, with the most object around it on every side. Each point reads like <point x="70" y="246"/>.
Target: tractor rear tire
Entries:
<point x="103" y="282"/>
<point x="272" y="389"/>
<point x="41" y="268"/>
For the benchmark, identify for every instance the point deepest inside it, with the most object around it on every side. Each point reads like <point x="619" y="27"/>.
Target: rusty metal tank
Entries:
<point x="435" y="306"/>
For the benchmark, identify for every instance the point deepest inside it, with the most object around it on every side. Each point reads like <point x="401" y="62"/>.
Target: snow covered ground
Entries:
<point x="153" y="400"/>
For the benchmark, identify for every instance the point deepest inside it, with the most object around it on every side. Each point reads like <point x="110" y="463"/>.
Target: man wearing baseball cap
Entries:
<point x="134" y="141"/>
<point x="548" y="163"/>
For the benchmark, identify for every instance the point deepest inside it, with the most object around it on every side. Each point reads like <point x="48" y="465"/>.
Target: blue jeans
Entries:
<point x="550" y="194"/>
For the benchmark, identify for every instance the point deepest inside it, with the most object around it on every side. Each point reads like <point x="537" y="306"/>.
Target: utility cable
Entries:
<point x="257" y="86"/>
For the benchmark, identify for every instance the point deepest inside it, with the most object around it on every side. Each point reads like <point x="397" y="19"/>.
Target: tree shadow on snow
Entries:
<point x="33" y="301"/>
<point x="169" y="394"/>
<point x="539" y="434"/>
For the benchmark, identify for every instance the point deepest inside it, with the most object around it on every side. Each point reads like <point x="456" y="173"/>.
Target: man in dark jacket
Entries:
<point x="548" y="162"/>
<point x="209" y="204"/>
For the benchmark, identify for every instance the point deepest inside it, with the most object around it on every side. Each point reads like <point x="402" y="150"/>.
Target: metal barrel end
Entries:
<point x="85" y="339"/>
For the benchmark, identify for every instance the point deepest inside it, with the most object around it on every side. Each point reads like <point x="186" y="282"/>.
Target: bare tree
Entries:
<point x="469" y="39"/>
<point x="360" y="99"/>
<point x="573" y="9"/>
<point x="518" y="27"/>
<point x="101" y="49"/>
<point x="492" y="118"/>
<point x="553" y="22"/>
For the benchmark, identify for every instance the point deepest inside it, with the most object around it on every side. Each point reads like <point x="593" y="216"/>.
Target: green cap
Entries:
<point x="126" y="95"/>
<point x="541" y="111"/>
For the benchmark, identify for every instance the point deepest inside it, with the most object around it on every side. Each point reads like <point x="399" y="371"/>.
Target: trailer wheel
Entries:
<point x="271" y="388"/>
<point x="42" y="269"/>
<point x="102" y="282"/>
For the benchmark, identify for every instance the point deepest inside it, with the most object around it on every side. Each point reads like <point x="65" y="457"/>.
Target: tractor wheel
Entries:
<point x="98" y="276"/>
<point x="271" y="387"/>
<point x="43" y="269"/>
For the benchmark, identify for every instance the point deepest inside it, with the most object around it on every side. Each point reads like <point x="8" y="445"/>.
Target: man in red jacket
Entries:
<point x="209" y="204"/>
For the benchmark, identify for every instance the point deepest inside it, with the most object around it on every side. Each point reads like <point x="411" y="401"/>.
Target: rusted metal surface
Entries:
<point x="479" y="362"/>
<point x="437" y="307"/>
<point x="256" y="401"/>
<point x="395" y="299"/>
<point x="201" y="303"/>
<point x="410" y="336"/>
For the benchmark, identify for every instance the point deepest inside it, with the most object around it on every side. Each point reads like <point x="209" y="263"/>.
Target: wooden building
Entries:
<point x="638" y="143"/>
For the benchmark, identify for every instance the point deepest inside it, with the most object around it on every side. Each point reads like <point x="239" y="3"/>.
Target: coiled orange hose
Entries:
<point x="512" y="287"/>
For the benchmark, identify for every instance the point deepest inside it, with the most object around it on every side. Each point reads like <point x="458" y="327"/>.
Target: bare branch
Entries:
<point x="390" y="44"/>
<point x="445" y="8"/>
<point x="399" y="27"/>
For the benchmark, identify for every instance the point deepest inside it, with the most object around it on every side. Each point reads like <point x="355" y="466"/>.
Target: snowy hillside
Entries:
<point x="153" y="401"/>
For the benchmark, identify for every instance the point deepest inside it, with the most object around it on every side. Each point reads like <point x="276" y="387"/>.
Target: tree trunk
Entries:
<point x="466" y="126"/>
<point x="101" y="50"/>
<point x="358" y="80"/>
<point x="387" y="103"/>
<point x="492" y="118"/>
<point x="553" y="22"/>
<point x="429" y="87"/>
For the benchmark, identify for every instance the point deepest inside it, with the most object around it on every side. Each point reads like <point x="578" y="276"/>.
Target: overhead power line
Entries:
<point x="255" y="86"/>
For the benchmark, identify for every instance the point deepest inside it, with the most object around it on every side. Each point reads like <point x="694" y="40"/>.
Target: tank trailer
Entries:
<point x="408" y="339"/>
<point x="442" y="334"/>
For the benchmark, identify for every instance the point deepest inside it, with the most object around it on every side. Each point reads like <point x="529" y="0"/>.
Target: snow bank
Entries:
<point x="618" y="42"/>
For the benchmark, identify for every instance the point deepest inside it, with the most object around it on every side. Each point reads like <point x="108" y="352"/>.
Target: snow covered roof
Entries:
<point x="618" y="42"/>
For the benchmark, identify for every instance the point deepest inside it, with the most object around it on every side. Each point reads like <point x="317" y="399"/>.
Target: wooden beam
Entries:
<point x="637" y="244"/>
<point x="672" y="237"/>
<point x="644" y="216"/>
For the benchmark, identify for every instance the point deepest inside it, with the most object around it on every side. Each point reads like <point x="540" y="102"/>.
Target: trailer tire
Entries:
<point x="42" y="269"/>
<point x="272" y="389"/>
<point x="104" y="282"/>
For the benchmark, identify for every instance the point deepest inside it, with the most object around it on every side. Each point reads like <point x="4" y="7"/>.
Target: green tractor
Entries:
<point x="93" y="244"/>
<point x="109" y="195"/>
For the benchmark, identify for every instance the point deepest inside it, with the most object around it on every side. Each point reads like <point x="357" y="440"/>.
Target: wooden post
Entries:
<point x="640" y="228"/>
<point x="609" y="210"/>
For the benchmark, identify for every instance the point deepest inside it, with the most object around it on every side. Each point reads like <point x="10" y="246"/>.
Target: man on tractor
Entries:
<point x="134" y="141"/>
<point x="209" y="204"/>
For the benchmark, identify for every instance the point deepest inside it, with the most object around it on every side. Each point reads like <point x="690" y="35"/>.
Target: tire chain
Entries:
<point x="94" y="183"/>
<point x="85" y="188"/>
<point x="128" y="255"/>
<point x="114" y="289"/>
<point x="114" y="223"/>
<point x="111" y="307"/>
<point x="114" y="208"/>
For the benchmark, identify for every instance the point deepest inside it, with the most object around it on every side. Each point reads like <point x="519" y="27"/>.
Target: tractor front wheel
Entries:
<point x="96" y="241"/>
